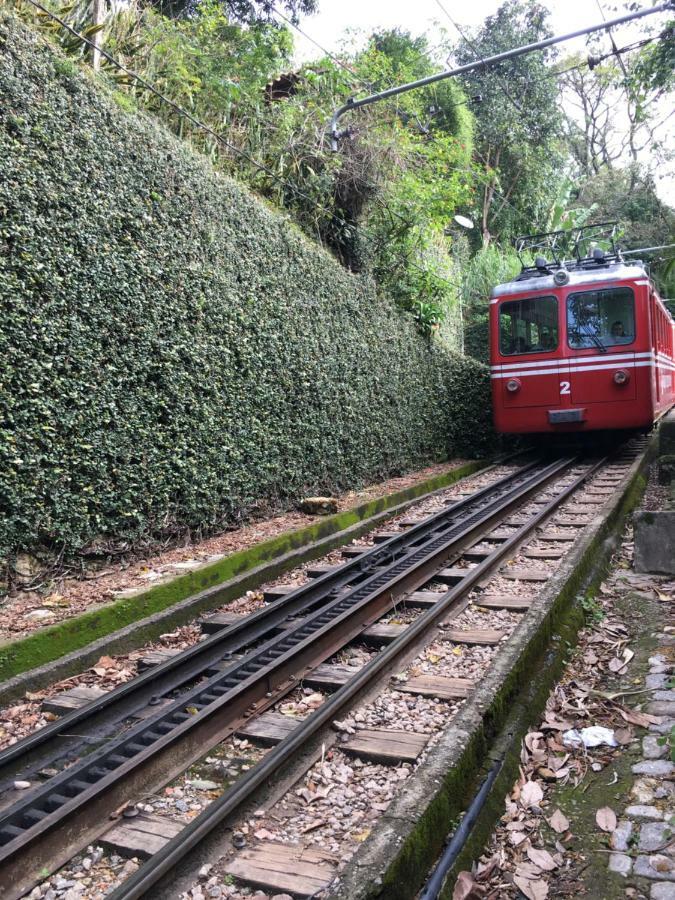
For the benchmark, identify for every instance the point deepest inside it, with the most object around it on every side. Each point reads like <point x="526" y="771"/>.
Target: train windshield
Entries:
<point x="600" y="319"/>
<point x="528" y="326"/>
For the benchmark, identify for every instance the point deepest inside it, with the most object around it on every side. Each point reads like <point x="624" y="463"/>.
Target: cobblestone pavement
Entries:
<point x="644" y="839"/>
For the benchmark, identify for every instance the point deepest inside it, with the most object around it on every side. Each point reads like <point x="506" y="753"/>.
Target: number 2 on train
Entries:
<point x="564" y="387"/>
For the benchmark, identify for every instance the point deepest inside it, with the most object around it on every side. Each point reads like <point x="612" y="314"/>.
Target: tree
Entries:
<point x="518" y="123"/>
<point x="629" y="196"/>
<point x="617" y="113"/>
<point x="246" y="12"/>
<point x="654" y="67"/>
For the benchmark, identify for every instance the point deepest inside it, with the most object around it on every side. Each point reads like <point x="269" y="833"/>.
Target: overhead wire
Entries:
<point x="475" y="49"/>
<point x="553" y="74"/>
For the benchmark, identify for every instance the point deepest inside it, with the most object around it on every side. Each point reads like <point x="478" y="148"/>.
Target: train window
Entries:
<point x="528" y="326"/>
<point x="601" y="318"/>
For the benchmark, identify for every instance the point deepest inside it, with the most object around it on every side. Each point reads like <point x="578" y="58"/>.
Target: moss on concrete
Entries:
<point x="211" y="585"/>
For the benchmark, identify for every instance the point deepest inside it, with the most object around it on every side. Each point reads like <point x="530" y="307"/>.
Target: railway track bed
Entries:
<point x="286" y="751"/>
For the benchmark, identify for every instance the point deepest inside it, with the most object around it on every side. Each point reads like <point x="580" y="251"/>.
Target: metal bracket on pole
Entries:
<point x="491" y="60"/>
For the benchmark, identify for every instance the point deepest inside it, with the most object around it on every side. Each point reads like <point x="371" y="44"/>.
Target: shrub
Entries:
<point x="174" y="352"/>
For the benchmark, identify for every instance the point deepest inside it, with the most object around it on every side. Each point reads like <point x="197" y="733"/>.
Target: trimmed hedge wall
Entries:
<point x="173" y="352"/>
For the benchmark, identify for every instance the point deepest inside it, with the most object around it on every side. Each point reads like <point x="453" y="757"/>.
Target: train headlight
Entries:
<point x="513" y="385"/>
<point x="621" y="377"/>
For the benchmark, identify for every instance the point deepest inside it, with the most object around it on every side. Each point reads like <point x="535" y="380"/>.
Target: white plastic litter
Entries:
<point x="590" y="737"/>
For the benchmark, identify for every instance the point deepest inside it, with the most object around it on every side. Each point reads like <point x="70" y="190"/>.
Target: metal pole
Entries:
<point x="352" y="104"/>
<point x="647" y="249"/>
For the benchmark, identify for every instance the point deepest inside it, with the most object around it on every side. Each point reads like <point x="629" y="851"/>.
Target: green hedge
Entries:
<point x="476" y="337"/>
<point x="173" y="352"/>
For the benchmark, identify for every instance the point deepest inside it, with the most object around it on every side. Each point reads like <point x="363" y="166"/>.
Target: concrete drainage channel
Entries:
<point x="446" y="769"/>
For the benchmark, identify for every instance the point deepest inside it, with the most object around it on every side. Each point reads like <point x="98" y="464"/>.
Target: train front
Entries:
<point x="570" y="348"/>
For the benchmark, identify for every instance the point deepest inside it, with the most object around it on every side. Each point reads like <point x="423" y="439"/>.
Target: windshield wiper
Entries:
<point x="596" y="340"/>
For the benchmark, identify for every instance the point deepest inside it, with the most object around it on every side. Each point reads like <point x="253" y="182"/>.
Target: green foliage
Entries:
<point x="248" y="11"/>
<point x="628" y="195"/>
<point x="593" y="610"/>
<point x="653" y="69"/>
<point x="381" y="205"/>
<point x="668" y="740"/>
<point x="174" y="353"/>
<point x="563" y="217"/>
<point x="517" y="122"/>
<point x="492" y="265"/>
<point x="433" y="177"/>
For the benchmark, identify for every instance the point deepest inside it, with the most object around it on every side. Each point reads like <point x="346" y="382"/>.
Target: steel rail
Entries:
<point x="91" y="723"/>
<point x="55" y="819"/>
<point x="156" y="874"/>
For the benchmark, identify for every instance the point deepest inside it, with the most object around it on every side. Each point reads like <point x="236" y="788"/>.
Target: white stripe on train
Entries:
<point x="578" y="360"/>
<point x="566" y="369"/>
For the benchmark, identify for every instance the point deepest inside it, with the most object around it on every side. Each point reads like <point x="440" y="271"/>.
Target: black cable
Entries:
<point x="467" y="40"/>
<point x="179" y="109"/>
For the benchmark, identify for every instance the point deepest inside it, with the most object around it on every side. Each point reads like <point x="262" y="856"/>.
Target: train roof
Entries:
<point x="553" y="277"/>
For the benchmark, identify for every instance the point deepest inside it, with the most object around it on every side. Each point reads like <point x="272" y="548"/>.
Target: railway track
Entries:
<point x="192" y="702"/>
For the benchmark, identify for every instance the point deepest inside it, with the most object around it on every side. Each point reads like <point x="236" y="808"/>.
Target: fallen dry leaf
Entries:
<point x="542" y="858"/>
<point x="533" y="890"/>
<point x="528" y="870"/>
<point x="107" y="662"/>
<point x="559" y="822"/>
<point x="639" y="718"/>
<point x="310" y="796"/>
<point x="605" y="819"/>
<point x="464" y="886"/>
<point x="484" y="870"/>
<point x="660" y="863"/>
<point x="517" y="837"/>
<point x="623" y="735"/>
<point x="532" y="738"/>
<point x="531" y="794"/>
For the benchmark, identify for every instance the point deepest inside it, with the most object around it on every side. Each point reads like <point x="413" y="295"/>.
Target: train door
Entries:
<point x="656" y="345"/>
<point x="530" y="370"/>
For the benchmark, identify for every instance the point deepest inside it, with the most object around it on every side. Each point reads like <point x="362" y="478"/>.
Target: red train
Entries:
<point x="580" y="344"/>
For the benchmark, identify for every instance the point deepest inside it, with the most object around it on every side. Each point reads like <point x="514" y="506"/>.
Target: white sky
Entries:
<point x="337" y="18"/>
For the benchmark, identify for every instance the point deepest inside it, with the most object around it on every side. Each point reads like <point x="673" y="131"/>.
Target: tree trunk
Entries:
<point x="99" y="17"/>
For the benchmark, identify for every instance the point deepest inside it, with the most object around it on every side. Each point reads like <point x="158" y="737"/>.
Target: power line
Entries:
<point x="343" y="65"/>
<point x="335" y="59"/>
<point x="413" y="162"/>
<point x="471" y="44"/>
<point x="369" y="86"/>
<point x="175" y="106"/>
